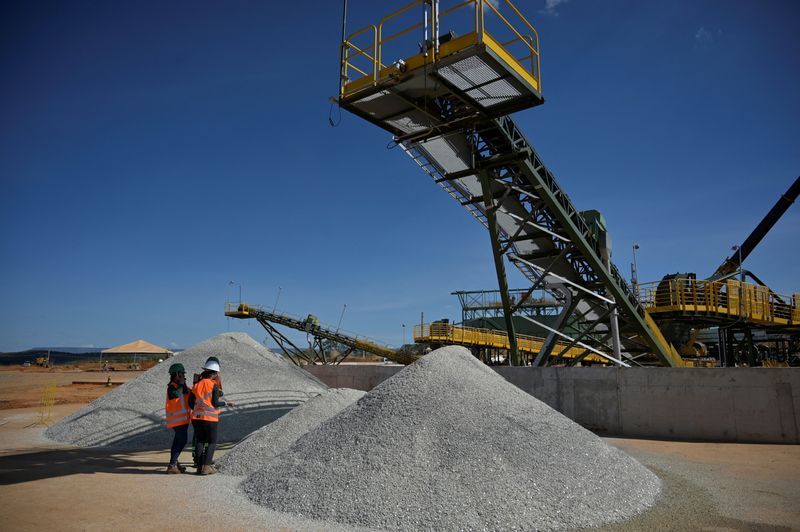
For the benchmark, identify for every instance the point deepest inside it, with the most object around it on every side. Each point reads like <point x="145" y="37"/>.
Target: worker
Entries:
<point x="197" y="450"/>
<point x="178" y="414"/>
<point x="205" y="401"/>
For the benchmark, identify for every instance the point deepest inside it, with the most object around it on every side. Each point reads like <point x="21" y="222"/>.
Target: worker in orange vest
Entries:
<point x="178" y="414"/>
<point x="205" y="401"/>
<point x="197" y="450"/>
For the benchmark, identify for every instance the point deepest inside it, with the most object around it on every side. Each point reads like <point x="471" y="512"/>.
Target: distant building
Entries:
<point x="135" y="351"/>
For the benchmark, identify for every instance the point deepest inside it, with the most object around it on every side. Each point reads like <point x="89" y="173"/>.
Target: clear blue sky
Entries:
<point x="151" y="152"/>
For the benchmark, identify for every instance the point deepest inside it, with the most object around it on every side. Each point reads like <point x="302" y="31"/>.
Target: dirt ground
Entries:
<point x="23" y="387"/>
<point x="46" y="485"/>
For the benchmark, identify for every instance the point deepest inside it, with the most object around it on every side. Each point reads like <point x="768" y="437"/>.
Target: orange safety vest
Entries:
<point x="177" y="410"/>
<point x="203" y="409"/>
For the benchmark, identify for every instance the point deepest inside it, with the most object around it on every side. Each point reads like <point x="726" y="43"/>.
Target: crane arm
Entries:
<point x="733" y="262"/>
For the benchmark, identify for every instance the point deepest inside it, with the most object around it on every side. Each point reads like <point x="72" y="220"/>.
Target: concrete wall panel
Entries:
<point x="721" y="404"/>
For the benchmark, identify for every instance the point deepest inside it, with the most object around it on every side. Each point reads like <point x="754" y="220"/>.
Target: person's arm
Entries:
<point x="215" y="397"/>
<point x="173" y="392"/>
<point x="191" y="400"/>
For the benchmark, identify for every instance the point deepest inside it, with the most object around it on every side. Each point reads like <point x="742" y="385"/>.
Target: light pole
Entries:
<point x="341" y="317"/>
<point x="738" y="249"/>
<point x="404" y="334"/>
<point x="275" y="306"/>
<point x="232" y="283"/>
<point x="635" y="272"/>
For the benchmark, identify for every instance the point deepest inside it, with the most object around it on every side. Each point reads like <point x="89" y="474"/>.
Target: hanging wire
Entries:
<point x="339" y="114"/>
<point x="342" y="73"/>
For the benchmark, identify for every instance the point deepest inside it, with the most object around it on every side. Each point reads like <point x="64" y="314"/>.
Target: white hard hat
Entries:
<point x="212" y="365"/>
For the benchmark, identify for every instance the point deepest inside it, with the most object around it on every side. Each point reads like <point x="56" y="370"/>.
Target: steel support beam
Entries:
<point x="550" y="341"/>
<point x="499" y="265"/>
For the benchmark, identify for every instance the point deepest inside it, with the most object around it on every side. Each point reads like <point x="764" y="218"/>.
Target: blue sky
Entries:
<point x="152" y="152"/>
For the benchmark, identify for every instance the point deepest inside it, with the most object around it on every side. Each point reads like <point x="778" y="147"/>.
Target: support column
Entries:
<point x="499" y="265"/>
<point x="614" y="320"/>
<point x="550" y="341"/>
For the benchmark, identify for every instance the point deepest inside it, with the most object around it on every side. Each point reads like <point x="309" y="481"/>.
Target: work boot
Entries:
<point x="208" y="470"/>
<point x="173" y="470"/>
<point x="182" y="468"/>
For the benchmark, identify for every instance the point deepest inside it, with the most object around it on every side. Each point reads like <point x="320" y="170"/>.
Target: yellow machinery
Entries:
<point x="721" y="299"/>
<point x="754" y="325"/>
<point x="445" y="333"/>
<point x="435" y="333"/>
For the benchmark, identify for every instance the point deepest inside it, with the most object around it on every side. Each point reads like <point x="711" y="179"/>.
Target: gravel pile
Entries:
<point x="260" y="447"/>
<point x="261" y="383"/>
<point x="447" y="444"/>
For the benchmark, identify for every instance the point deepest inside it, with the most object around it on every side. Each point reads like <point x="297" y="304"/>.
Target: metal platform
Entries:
<point x="715" y="303"/>
<point x="472" y="337"/>
<point x="453" y="79"/>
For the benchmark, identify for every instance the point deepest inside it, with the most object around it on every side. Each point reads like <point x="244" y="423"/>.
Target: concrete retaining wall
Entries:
<point x="722" y="404"/>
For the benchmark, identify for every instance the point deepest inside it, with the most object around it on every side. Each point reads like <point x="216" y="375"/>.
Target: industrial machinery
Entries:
<point x="753" y="324"/>
<point x="329" y="345"/>
<point x="442" y="78"/>
<point x="489" y="344"/>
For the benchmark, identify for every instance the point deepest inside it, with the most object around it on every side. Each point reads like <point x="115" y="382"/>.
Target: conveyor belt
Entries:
<point x="543" y="233"/>
<point x="243" y="311"/>
<point x="448" y="107"/>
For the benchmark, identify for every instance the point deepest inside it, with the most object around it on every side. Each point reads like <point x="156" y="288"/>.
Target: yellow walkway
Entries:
<point x="727" y="300"/>
<point x="446" y="333"/>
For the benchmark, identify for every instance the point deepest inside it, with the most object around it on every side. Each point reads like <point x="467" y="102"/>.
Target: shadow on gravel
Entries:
<point x="27" y="467"/>
<point x="146" y="431"/>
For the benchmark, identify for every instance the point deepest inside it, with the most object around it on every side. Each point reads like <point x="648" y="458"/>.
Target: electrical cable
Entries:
<point x="342" y="73"/>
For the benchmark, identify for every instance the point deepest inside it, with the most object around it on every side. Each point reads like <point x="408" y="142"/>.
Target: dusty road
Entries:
<point x="49" y="486"/>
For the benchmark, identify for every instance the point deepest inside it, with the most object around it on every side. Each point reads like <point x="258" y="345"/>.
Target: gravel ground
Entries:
<point x="448" y="444"/>
<point x="262" y="384"/>
<point x="260" y="447"/>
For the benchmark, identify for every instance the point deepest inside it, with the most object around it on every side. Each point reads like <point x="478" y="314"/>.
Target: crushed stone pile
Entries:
<point x="447" y="444"/>
<point x="261" y="384"/>
<point x="267" y="442"/>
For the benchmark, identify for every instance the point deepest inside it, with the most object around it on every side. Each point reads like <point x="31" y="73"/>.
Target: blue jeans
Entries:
<point x="178" y="443"/>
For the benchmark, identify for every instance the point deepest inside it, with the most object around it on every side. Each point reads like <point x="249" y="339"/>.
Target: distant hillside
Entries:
<point x="58" y="355"/>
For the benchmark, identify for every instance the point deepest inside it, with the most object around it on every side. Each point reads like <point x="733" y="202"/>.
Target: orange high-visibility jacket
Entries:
<point x="177" y="410"/>
<point x="203" y="409"/>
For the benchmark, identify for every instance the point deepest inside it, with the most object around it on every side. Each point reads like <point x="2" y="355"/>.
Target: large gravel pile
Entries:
<point x="261" y="383"/>
<point x="256" y="450"/>
<point x="447" y="444"/>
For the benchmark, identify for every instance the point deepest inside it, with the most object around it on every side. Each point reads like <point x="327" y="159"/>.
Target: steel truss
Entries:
<point x="533" y="224"/>
<point x="322" y="339"/>
<point x="319" y="349"/>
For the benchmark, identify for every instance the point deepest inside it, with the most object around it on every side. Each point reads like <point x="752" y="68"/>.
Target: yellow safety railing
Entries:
<point x="360" y="55"/>
<point x="729" y="298"/>
<point x="362" y="52"/>
<point x="447" y="333"/>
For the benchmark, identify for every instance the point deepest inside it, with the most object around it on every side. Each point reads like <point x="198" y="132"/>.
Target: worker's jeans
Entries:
<point x="178" y="443"/>
<point x="206" y="432"/>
